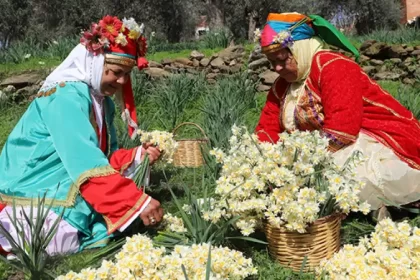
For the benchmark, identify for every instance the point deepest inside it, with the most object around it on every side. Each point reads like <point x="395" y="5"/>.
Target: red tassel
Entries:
<point x="129" y="104"/>
<point x="142" y="63"/>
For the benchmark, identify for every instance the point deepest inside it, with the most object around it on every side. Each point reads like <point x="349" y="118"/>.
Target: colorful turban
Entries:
<point x="281" y="30"/>
<point x="121" y="42"/>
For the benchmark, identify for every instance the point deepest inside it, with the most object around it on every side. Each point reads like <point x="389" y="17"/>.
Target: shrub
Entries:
<point x="402" y="35"/>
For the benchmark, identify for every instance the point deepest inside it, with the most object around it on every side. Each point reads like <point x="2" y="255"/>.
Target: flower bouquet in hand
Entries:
<point x="166" y="144"/>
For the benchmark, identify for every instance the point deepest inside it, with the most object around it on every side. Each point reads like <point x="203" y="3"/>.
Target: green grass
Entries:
<point x="390" y="86"/>
<point x="32" y="64"/>
<point x="12" y="60"/>
<point x="158" y="56"/>
<point x="408" y="36"/>
<point x="270" y="269"/>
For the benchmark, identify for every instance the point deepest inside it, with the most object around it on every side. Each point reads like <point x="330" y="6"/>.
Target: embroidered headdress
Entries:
<point x="121" y="42"/>
<point x="282" y="30"/>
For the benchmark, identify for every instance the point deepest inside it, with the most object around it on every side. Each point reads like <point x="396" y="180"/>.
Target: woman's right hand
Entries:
<point x="152" y="150"/>
<point x="152" y="214"/>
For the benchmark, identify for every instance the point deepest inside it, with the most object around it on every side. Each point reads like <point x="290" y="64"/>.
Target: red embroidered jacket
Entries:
<point x="119" y="198"/>
<point x="342" y="101"/>
<point x="114" y="196"/>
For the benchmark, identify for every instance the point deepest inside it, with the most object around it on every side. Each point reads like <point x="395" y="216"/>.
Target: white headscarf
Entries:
<point x="303" y="51"/>
<point x="79" y="66"/>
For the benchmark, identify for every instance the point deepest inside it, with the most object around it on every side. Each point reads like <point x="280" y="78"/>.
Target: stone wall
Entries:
<point x="384" y="62"/>
<point x="226" y="62"/>
<point x="379" y="60"/>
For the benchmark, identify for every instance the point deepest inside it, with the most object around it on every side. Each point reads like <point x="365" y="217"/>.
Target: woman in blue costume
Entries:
<point x="65" y="145"/>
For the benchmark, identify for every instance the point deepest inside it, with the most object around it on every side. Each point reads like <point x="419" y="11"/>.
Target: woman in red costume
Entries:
<point x="322" y="90"/>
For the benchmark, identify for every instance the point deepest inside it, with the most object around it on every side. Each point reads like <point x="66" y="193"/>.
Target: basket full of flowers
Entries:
<point x="291" y="189"/>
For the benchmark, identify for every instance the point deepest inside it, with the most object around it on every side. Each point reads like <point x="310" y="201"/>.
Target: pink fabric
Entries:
<point x="65" y="241"/>
<point x="267" y="36"/>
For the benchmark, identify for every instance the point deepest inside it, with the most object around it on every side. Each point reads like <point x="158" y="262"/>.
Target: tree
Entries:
<point x="175" y="20"/>
<point x="216" y="13"/>
<point x="375" y="14"/>
<point x="13" y="19"/>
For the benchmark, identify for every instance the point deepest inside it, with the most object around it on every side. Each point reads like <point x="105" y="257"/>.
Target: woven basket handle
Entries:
<point x="190" y="123"/>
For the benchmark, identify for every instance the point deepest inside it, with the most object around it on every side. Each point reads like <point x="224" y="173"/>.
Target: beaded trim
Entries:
<point x="116" y="59"/>
<point x="271" y="48"/>
<point x="45" y="93"/>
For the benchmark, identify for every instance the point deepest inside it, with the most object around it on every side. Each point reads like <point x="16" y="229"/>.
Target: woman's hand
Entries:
<point x="152" y="214"/>
<point x="153" y="152"/>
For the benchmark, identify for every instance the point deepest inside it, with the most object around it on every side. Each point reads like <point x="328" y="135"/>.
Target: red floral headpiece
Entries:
<point x="122" y="38"/>
<point x="122" y="42"/>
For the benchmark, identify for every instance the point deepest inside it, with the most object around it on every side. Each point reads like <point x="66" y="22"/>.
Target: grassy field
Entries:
<point x="162" y="105"/>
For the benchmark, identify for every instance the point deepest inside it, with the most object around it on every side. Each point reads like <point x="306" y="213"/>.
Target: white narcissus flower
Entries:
<point x="139" y="259"/>
<point x="391" y="252"/>
<point x="135" y="29"/>
<point x="141" y="29"/>
<point x="165" y="141"/>
<point x="281" y="177"/>
<point x="130" y="23"/>
<point x="173" y="224"/>
<point x="257" y="35"/>
<point x="121" y="39"/>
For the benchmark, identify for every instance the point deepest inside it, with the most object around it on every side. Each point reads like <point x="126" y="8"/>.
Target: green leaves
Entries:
<point x="226" y="104"/>
<point x="354" y="229"/>
<point x="217" y="38"/>
<point x="30" y="251"/>
<point x="409" y="97"/>
<point x="199" y="230"/>
<point x="390" y="203"/>
<point x="105" y="253"/>
<point x="141" y="172"/>
<point x="173" y="96"/>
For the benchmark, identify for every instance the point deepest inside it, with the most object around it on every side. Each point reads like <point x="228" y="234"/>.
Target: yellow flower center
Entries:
<point x="133" y="34"/>
<point x="110" y="28"/>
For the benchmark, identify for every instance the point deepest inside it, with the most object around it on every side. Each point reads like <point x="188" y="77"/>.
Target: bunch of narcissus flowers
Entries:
<point x="165" y="141"/>
<point x="391" y="252"/>
<point x="290" y="183"/>
<point x="139" y="259"/>
<point x="173" y="223"/>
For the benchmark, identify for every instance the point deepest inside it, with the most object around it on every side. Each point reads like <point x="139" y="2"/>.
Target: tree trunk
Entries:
<point x="252" y="24"/>
<point x="216" y="13"/>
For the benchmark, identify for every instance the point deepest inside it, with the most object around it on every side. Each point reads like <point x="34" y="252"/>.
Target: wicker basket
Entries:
<point x="188" y="153"/>
<point x="321" y="240"/>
